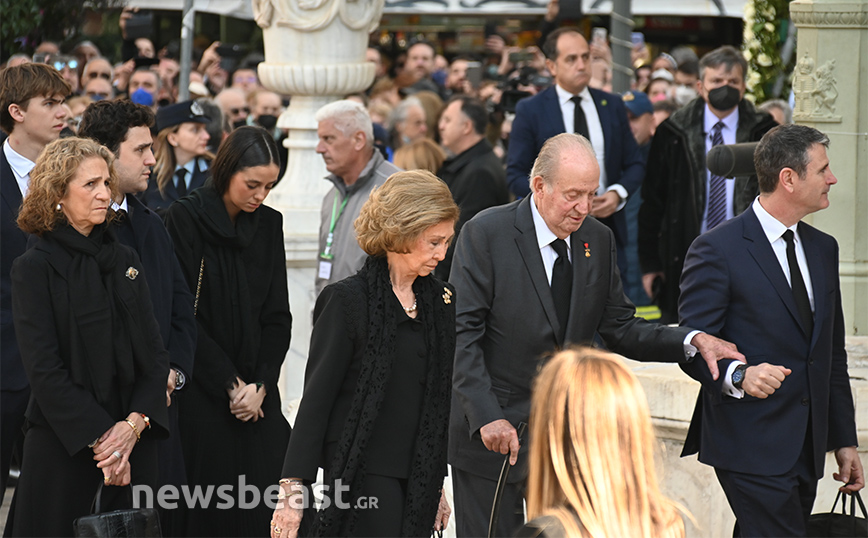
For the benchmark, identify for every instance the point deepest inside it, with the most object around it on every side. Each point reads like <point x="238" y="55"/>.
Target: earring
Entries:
<point x="58" y="208"/>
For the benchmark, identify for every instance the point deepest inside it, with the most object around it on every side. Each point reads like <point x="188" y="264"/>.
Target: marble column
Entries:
<point x="831" y="93"/>
<point x="314" y="52"/>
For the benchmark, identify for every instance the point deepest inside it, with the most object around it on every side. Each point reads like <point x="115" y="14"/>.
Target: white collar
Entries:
<point x="564" y="96"/>
<point x="710" y="120"/>
<point x="123" y="205"/>
<point x="772" y="227"/>
<point x="21" y="165"/>
<point x="544" y="236"/>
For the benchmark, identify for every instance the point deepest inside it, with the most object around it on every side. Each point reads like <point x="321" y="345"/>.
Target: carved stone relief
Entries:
<point x="816" y="91"/>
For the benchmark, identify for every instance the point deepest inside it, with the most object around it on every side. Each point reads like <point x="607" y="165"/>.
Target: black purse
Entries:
<point x="133" y="523"/>
<point x="844" y="525"/>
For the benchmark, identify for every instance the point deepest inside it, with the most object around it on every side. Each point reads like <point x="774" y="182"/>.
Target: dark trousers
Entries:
<point x="12" y="407"/>
<point x="474" y="496"/>
<point x="380" y="507"/>
<point x="771" y="506"/>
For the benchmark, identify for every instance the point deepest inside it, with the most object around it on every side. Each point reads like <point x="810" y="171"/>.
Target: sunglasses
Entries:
<point x="72" y="64"/>
<point x="106" y="76"/>
<point x="236" y="111"/>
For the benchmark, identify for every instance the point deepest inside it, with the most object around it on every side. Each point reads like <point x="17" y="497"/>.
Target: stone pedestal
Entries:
<point x="314" y="52"/>
<point x="831" y="92"/>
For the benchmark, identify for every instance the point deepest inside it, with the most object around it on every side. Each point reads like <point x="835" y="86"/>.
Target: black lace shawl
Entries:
<point x="365" y="298"/>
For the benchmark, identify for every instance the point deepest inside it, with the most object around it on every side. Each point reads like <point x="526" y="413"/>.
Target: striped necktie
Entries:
<point x="716" y="187"/>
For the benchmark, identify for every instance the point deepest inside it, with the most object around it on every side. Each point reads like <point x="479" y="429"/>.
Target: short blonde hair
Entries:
<point x="422" y="154"/>
<point x="592" y="450"/>
<point x="55" y="168"/>
<point x="399" y="211"/>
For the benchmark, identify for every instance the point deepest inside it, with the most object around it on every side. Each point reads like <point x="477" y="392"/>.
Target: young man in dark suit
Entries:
<point x="769" y="283"/>
<point x="531" y="277"/>
<point x="570" y="106"/>
<point x="32" y="114"/>
<point x="124" y="128"/>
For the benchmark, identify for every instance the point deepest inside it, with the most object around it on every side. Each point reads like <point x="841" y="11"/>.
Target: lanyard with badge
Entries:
<point x="326" y="256"/>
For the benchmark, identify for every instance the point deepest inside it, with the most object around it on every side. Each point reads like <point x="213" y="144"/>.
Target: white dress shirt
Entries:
<point x="21" y="167"/>
<point x="730" y="125"/>
<point x="774" y="230"/>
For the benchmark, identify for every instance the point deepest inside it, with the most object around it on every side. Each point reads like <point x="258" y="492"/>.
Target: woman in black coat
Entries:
<point x="375" y="408"/>
<point x="89" y="343"/>
<point x="230" y="247"/>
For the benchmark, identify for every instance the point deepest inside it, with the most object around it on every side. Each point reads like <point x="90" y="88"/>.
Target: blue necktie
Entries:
<point x="716" y="187"/>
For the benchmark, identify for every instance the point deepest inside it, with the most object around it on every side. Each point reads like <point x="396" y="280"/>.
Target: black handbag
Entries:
<point x="834" y="525"/>
<point x="133" y="523"/>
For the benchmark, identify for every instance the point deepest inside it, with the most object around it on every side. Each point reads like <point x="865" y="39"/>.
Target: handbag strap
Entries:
<point x="198" y="287"/>
<point x="854" y="497"/>
<point x="96" y="505"/>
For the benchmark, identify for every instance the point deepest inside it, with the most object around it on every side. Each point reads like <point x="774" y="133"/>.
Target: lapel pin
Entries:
<point x="132" y="273"/>
<point x="587" y="251"/>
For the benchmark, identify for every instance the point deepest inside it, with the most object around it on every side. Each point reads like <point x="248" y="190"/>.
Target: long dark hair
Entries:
<point x="246" y="147"/>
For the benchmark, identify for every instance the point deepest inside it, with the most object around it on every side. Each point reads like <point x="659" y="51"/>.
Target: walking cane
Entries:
<point x="501" y="485"/>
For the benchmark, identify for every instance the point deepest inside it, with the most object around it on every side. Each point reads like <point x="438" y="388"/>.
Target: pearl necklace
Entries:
<point x="410" y="309"/>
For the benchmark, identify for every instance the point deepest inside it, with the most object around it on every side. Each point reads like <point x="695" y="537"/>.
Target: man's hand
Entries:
<point x="170" y="387"/>
<point x="443" y="513"/>
<point x="500" y="436"/>
<point x="850" y="470"/>
<point x="605" y="205"/>
<point x="714" y="349"/>
<point x="762" y="380"/>
<point x="648" y="282"/>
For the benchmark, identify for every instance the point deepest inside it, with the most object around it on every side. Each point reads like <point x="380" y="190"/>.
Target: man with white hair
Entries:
<point x="346" y="143"/>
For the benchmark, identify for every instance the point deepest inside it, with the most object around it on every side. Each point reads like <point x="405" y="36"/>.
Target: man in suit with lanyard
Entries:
<point x="32" y="114"/>
<point x="531" y="277"/>
<point x="769" y="283"/>
<point x="570" y="106"/>
<point x="124" y="128"/>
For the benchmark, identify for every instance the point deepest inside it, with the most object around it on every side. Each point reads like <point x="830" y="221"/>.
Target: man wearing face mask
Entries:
<point x="686" y="78"/>
<point x="680" y="197"/>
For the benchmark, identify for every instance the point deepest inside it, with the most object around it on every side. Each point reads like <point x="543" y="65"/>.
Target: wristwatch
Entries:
<point x="738" y="376"/>
<point x="180" y="379"/>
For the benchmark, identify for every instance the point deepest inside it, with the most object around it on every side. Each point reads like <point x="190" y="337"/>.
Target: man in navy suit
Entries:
<point x="600" y="117"/>
<point x="769" y="283"/>
<point x="124" y="128"/>
<point x="32" y="114"/>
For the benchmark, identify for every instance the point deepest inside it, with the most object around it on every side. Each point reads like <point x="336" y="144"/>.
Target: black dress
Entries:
<point x="89" y="366"/>
<point x="404" y="437"/>
<point x="244" y="330"/>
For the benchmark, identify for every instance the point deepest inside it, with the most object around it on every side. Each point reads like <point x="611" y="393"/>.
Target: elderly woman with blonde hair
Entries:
<point x="592" y="453"/>
<point x="423" y="154"/>
<point x="375" y="409"/>
<point x="90" y="346"/>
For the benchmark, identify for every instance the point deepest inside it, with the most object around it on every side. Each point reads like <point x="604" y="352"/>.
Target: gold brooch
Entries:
<point x="132" y="273"/>
<point x="447" y="297"/>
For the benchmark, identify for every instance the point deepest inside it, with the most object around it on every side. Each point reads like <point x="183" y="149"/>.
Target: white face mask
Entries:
<point x="685" y="94"/>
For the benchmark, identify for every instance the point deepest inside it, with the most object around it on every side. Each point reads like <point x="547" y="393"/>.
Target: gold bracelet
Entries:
<point x="135" y="429"/>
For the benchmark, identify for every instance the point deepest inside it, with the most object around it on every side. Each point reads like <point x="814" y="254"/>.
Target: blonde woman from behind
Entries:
<point x="591" y="455"/>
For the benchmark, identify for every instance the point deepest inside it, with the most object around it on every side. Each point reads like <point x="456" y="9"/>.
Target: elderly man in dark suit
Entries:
<point x="769" y="283"/>
<point x="32" y="114"/>
<point x="532" y="277"/>
<point x="124" y="128"/>
<point x="570" y="106"/>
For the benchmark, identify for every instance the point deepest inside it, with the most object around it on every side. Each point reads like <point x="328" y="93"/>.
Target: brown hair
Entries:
<point x="399" y="211"/>
<point x="592" y="450"/>
<point x="166" y="160"/>
<point x="55" y="168"/>
<point x="20" y="84"/>
<point x="423" y="154"/>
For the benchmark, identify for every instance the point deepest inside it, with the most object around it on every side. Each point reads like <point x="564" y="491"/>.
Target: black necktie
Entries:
<point x="800" y="292"/>
<point x="716" y="186"/>
<point x="562" y="284"/>
<point x="181" y="185"/>
<point x="120" y="215"/>
<point x="580" y="124"/>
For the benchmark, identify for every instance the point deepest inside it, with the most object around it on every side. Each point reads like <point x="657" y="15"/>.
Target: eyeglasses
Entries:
<point x="59" y="64"/>
<point x="236" y="111"/>
<point x="93" y="74"/>
<point x="239" y="80"/>
<point x="97" y="96"/>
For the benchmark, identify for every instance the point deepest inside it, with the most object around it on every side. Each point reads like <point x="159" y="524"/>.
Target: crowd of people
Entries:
<point x="484" y="213"/>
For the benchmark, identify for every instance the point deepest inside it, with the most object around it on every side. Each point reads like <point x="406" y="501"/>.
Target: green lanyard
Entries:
<point x="336" y="214"/>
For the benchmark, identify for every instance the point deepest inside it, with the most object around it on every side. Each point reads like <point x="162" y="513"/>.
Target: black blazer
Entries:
<point x="160" y="202"/>
<point x="733" y="287"/>
<point x="13" y="243"/>
<point x="507" y="323"/>
<point x="170" y="295"/>
<point x="42" y="313"/>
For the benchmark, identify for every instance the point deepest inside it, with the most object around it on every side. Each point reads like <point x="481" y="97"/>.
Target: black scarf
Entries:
<point x="225" y="306"/>
<point x="104" y="316"/>
<point x="429" y="461"/>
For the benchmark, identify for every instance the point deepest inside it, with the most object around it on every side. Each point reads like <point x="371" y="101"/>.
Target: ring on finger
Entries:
<point x="116" y="454"/>
<point x="277" y="530"/>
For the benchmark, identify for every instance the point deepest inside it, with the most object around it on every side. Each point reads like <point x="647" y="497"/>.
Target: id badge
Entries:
<point x="325" y="269"/>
